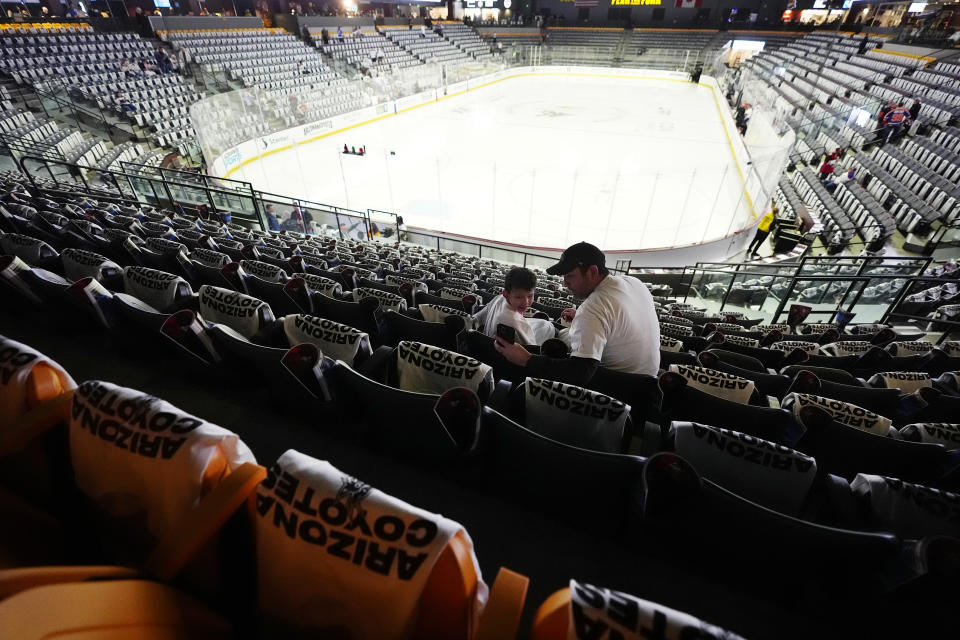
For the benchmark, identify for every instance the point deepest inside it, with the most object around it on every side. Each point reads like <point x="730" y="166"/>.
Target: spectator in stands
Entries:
<point x="616" y="326"/>
<point x="915" y="109"/>
<point x="125" y="105"/>
<point x="895" y="123"/>
<point x="340" y="34"/>
<point x="325" y="36"/>
<point x="308" y="222"/>
<point x="423" y="31"/>
<point x="826" y="169"/>
<point x="862" y="49"/>
<point x="292" y="223"/>
<point x="697" y="72"/>
<point x="297" y="216"/>
<point x="518" y="294"/>
<point x="130" y="68"/>
<point x="763" y="230"/>
<point x="147" y="70"/>
<point x="272" y="223"/>
<point x="740" y="119"/>
<point x="163" y="60"/>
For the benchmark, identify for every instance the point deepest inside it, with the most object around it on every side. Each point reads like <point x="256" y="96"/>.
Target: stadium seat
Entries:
<point x="884" y="402"/>
<point x="360" y="315"/>
<point x="584" y="610"/>
<point x="838" y="376"/>
<point x="682" y="402"/>
<point x="577" y="416"/>
<point x="768" y="384"/>
<point x="846" y="451"/>
<point x="480" y="346"/>
<point x="132" y="519"/>
<point x="300" y="588"/>
<point x="641" y="392"/>
<point x="149" y="296"/>
<point x="108" y="608"/>
<point x="399" y="326"/>
<point x="678" y="500"/>
<point x="536" y="468"/>
<point x="468" y="304"/>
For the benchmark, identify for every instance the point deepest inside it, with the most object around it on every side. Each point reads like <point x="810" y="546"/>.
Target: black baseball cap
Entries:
<point x="582" y="254"/>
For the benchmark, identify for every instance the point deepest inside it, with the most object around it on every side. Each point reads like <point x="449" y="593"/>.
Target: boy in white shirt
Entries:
<point x="616" y="327"/>
<point x="508" y="309"/>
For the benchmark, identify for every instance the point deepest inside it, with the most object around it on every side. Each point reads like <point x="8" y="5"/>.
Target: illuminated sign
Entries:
<point x="635" y="3"/>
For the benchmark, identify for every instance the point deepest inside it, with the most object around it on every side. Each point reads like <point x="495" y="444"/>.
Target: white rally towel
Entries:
<point x="863" y="329"/>
<point x="387" y="301"/>
<point x="906" y="381"/>
<point x="670" y="344"/>
<point x="165" y="246"/>
<point x="439" y="313"/>
<point x="945" y="433"/>
<point x="264" y="270"/>
<point x="726" y="327"/>
<point x="909" y="348"/>
<point x="910" y="510"/>
<point x="818" y="327"/>
<point x="208" y="257"/>
<point x="765" y="472"/>
<point x="28" y="249"/>
<point x="335" y="340"/>
<point x="458" y="283"/>
<point x="574" y="415"/>
<point x="843" y="412"/>
<point x="337" y="556"/>
<point x="741" y="341"/>
<point x="790" y="345"/>
<point x="717" y="383"/>
<point x="326" y="286"/>
<point x="597" y="613"/>
<point x="78" y="264"/>
<point x="448" y="293"/>
<point x="244" y="314"/>
<point x="396" y="281"/>
<point x="158" y="289"/>
<point x="16" y="362"/>
<point x="13" y="274"/>
<point x="669" y="319"/>
<point x="675" y="330"/>
<point x="140" y="458"/>
<point x="846" y="348"/>
<point x="427" y="369"/>
<point x="767" y="328"/>
<point x="951" y="348"/>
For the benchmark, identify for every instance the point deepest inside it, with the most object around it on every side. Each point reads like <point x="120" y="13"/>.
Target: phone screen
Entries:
<point x="507" y="332"/>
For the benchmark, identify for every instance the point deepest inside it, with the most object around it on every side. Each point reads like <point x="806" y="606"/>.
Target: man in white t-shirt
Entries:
<point x="616" y="327"/>
<point x="519" y="288"/>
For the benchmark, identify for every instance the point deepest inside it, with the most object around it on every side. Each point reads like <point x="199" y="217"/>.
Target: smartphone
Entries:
<point x="508" y="333"/>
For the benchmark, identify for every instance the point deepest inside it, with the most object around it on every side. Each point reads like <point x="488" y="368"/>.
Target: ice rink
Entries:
<point x="545" y="160"/>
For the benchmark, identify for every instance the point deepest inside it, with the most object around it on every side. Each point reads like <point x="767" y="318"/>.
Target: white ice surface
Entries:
<point x="544" y="161"/>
